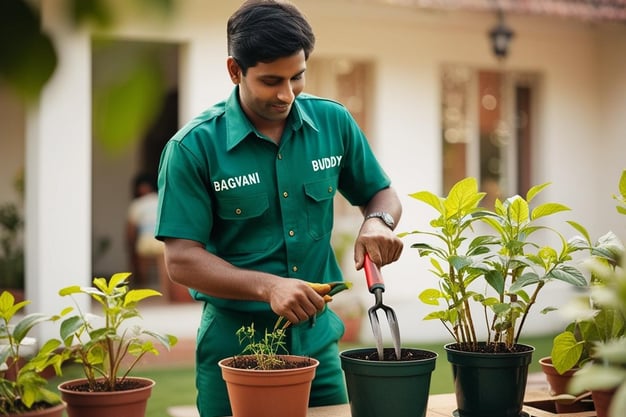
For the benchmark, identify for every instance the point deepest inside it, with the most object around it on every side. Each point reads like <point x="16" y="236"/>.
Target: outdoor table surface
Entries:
<point x="443" y="405"/>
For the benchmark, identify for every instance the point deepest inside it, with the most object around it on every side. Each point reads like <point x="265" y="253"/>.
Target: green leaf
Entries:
<point x="29" y="57"/>
<point x="581" y="229"/>
<point x="618" y="404"/>
<point x="168" y="341"/>
<point x="134" y="296"/>
<point x="566" y="352"/>
<point x="459" y="262"/>
<point x="437" y="315"/>
<point x="462" y="198"/>
<point x="429" y="198"/>
<point x="26" y="324"/>
<point x="430" y="296"/>
<point x="8" y="307"/>
<point x="622" y="184"/>
<point x="94" y="11"/>
<point x="592" y="377"/>
<point x="548" y="209"/>
<point x="495" y="280"/>
<point x="501" y="308"/>
<point x="74" y="289"/>
<point x="529" y="278"/>
<point x="569" y="274"/>
<point x="96" y="355"/>
<point x="613" y="351"/>
<point x="69" y="327"/>
<point x="517" y="210"/>
<point x="126" y="106"/>
<point x="490" y="301"/>
<point x="535" y="190"/>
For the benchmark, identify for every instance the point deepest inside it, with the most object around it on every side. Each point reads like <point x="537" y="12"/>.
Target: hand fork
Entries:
<point x="376" y="286"/>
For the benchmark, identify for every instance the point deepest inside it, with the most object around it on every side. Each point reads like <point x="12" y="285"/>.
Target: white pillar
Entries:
<point x="58" y="173"/>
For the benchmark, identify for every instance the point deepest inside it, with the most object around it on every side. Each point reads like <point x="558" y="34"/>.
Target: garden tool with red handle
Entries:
<point x="376" y="286"/>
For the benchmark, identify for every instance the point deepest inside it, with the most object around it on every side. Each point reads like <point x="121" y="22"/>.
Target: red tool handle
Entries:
<point x="372" y="275"/>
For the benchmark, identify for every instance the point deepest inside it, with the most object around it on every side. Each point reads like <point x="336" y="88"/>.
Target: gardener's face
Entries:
<point x="268" y="90"/>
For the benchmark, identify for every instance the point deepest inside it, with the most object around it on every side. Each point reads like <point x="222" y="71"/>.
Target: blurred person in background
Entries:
<point x="146" y="253"/>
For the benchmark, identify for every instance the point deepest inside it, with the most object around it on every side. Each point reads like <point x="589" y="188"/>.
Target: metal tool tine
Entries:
<point x="395" y="331"/>
<point x="376" y="330"/>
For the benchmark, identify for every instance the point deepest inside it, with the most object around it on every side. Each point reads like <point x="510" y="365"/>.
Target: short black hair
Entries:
<point x="143" y="178"/>
<point x="265" y="30"/>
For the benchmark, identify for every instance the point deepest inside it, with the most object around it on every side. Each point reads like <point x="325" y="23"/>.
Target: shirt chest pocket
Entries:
<point x="243" y="226"/>
<point x="320" y="197"/>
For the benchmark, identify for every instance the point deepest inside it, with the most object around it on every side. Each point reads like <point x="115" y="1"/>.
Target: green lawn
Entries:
<point x="175" y="386"/>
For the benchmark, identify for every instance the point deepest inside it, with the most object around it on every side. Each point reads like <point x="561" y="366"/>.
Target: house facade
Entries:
<point x="428" y="88"/>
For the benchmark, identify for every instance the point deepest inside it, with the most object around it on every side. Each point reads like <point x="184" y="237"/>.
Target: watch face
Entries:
<point x="387" y="218"/>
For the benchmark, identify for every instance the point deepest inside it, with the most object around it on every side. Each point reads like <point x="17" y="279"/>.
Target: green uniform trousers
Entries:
<point x="217" y="340"/>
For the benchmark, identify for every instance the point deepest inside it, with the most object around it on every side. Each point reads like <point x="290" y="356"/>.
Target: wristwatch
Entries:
<point x="385" y="217"/>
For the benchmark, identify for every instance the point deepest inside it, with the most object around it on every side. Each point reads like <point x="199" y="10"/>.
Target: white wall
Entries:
<point x="58" y="173"/>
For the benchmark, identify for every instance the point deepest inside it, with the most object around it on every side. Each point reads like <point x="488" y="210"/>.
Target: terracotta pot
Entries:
<point x="559" y="385"/>
<point x="353" y="329"/>
<point x="276" y="393"/>
<point x="179" y="293"/>
<point x="602" y="401"/>
<point x="128" y="403"/>
<point x="54" y="411"/>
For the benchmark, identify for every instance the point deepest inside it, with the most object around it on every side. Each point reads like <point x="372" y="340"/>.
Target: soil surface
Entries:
<point x="21" y="408"/>
<point x="489" y="348"/>
<point x="250" y="362"/>
<point x="389" y="354"/>
<point x="124" y="385"/>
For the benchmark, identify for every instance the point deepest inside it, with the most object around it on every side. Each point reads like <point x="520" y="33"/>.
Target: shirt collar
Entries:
<point x="239" y="126"/>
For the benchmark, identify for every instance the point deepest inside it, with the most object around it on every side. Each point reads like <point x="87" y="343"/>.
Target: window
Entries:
<point x="487" y="128"/>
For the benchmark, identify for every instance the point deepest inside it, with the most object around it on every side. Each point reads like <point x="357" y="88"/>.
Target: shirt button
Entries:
<point x="294" y="268"/>
<point x="292" y="233"/>
<point x="285" y="194"/>
<point x="238" y="211"/>
<point x="330" y="189"/>
<point x="280" y="156"/>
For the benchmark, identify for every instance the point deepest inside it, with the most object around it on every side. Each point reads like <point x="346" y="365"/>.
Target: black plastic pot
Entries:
<point x="490" y="384"/>
<point x="388" y="388"/>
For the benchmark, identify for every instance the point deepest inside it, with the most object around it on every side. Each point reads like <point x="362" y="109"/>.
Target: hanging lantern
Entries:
<point x="501" y="36"/>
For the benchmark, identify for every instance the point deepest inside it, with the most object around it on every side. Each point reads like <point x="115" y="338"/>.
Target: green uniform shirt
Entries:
<point x="264" y="206"/>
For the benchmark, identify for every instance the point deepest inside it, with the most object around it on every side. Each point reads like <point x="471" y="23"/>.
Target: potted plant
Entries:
<point x="491" y="266"/>
<point x="576" y="345"/>
<point x="400" y="375"/>
<point x="108" y="348"/>
<point x="605" y="373"/>
<point x="265" y="380"/>
<point x="23" y="389"/>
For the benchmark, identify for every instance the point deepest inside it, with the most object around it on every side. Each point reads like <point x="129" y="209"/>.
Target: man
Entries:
<point x="246" y="203"/>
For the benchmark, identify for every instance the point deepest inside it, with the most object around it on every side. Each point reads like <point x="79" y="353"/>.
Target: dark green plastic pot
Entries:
<point x="388" y="388"/>
<point x="490" y="384"/>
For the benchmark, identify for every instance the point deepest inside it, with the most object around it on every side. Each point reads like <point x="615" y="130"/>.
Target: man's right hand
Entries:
<point x="295" y="300"/>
